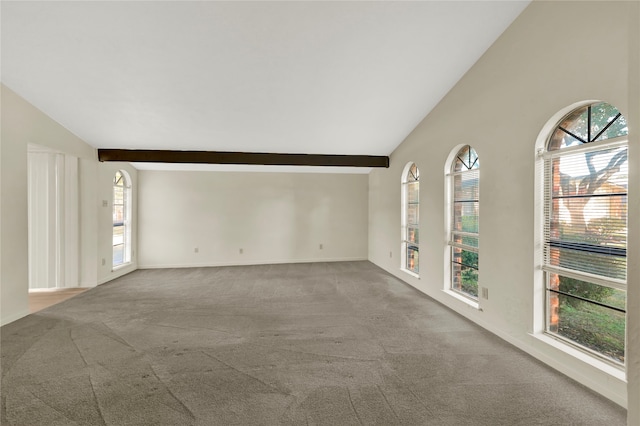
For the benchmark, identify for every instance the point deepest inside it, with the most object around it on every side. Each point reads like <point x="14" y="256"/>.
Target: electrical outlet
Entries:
<point x="390" y="254"/>
<point x="103" y="261"/>
<point x="241" y="251"/>
<point x="105" y="203"/>
<point x="485" y="293"/>
<point x="320" y="246"/>
<point x="196" y="250"/>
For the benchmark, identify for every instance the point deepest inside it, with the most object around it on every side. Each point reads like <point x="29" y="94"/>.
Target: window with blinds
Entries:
<point x="411" y="216"/>
<point x="464" y="237"/>
<point x="585" y="230"/>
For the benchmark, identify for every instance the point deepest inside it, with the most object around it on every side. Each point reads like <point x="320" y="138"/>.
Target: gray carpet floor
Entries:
<point x="319" y="344"/>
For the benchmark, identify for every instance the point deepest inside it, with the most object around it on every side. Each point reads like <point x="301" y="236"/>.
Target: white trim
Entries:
<point x="413" y="274"/>
<point x="14" y="317"/>
<point x="464" y="246"/>
<point x="608" y="385"/>
<point x="617" y="371"/>
<point x="469" y="301"/>
<point x="620" y="141"/>
<point x="585" y="276"/>
<point x="128" y="268"/>
<point x="53" y="290"/>
<point x="116" y="268"/>
<point x="248" y="263"/>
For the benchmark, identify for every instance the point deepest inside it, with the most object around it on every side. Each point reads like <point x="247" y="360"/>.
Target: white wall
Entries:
<point x="23" y="124"/>
<point x="541" y="64"/>
<point x="273" y="217"/>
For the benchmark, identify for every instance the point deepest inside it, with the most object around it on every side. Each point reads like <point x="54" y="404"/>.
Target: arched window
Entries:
<point x="585" y="230"/>
<point x="121" y="218"/>
<point x="410" y="218"/>
<point x="464" y="238"/>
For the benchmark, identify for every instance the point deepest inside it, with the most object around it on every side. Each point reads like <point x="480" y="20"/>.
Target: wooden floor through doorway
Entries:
<point x="41" y="299"/>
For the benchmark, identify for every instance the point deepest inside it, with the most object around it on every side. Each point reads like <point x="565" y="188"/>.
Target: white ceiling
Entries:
<point x="286" y="77"/>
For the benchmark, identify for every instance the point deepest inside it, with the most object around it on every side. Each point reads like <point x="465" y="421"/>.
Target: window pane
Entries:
<point x="588" y="217"/>
<point x="465" y="217"/>
<point x="118" y="214"/>
<point x="601" y="115"/>
<point x="414" y="174"/>
<point x="618" y="128"/>
<point x="596" y="327"/>
<point x="118" y="235"/>
<point x="413" y="192"/>
<point x="465" y="186"/>
<point x="118" y="254"/>
<point x="118" y="195"/>
<point x="468" y="258"/>
<point x="466" y="240"/>
<point x="413" y="235"/>
<point x="412" y="214"/>
<point x="561" y="139"/>
<point x="606" y="295"/>
<point x="118" y="179"/>
<point x="605" y="265"/>
<point x="464" y="271"/>
<point x="464" y="278"/>
<point x="576" y="123"/>
<point x="412" y="258"/>
<point x="466" y="159"/>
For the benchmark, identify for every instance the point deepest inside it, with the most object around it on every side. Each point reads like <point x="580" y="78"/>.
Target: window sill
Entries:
<point x="121" y="266"/>
<point x="413" y="274"/>
<point x="604" y="366"/>
<point x="472" y="303"/>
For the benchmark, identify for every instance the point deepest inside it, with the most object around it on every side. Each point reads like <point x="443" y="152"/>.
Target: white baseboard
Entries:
<point x="585" y="379"/>
<point x="14" y="317"/>
<point x="248" y="263"/>
<point x="117" y="273"/>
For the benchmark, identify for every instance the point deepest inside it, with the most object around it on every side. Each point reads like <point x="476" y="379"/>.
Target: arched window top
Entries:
<point x="466" y="159"/>
<point x="413" y="174"/>
<point x="591" y="123"/>
<point x="121" y="179"/>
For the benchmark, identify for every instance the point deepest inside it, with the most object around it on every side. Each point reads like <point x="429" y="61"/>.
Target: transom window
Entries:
<point x="411" y="217"/>
<point x="464" y="237"/>
<point x="585" y="230"/>
<point x="121" y="219"/>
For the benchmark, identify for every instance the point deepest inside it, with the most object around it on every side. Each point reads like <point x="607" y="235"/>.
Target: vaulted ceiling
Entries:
<point x="285" y="77"/>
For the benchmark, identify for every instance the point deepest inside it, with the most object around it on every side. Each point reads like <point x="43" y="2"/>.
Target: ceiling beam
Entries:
<point x="252" y="158"/>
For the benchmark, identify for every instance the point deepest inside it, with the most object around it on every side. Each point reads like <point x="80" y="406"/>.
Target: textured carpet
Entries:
<point x="325" y="343"/>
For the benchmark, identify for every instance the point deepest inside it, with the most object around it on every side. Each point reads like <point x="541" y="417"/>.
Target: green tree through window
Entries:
<point x="585" y="235"/>
<point x="464" y="235"/>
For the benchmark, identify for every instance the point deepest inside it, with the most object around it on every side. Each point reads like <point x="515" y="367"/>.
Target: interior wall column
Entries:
<point x="633" y="274"/>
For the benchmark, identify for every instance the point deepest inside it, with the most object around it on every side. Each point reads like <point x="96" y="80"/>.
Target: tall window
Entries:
<point x="585" y="230"/>
<point x="411" y="216"/>
<point x="464" y="238"/>
<point x="121" y="219"/>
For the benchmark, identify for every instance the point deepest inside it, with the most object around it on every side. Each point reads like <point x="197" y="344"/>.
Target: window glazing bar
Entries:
<point x="589" y="248"/>
<point x="584" y="299"/>
<point x="585" y="276"/>
<point x="465" y="265"/>
<point x="464" y="247"/>
<point x="607" y="143"/>
<point x="612" y="194"/>
<point x="606" y="127"/>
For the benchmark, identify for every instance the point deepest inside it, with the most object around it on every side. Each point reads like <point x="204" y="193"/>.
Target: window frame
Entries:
<point x="546" y="155"/>
<point x="409" y="178"/>
<point x="451" y="244"/>
<point x="126" y="219"/>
